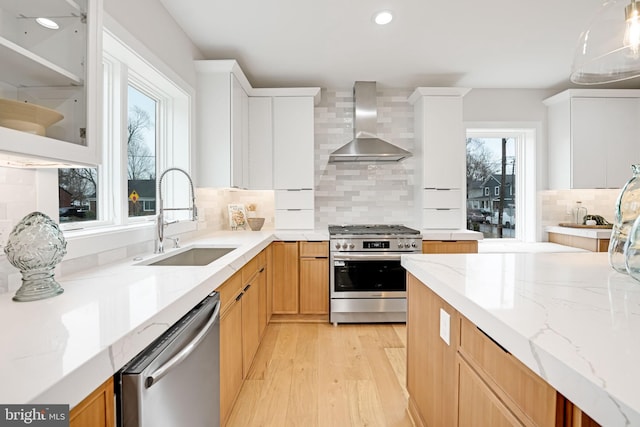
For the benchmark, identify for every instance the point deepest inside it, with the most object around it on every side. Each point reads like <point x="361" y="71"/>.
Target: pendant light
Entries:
<point x="609" y="50"/>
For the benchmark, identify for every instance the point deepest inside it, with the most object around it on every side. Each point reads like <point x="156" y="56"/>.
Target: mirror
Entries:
<point x="44" y="66"/>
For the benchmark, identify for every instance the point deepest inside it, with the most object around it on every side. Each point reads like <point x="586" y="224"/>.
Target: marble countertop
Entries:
<point x="58" y="350"/>
<point x="592" y="233"/>
<point x="508" y="246"/>
<point x="569" y="317"/>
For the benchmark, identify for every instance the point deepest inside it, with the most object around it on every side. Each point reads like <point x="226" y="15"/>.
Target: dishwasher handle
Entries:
<point x="163" y="370"/>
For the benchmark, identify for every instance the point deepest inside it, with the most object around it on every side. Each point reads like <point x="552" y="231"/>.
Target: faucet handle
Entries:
<point x="176" y="241"/>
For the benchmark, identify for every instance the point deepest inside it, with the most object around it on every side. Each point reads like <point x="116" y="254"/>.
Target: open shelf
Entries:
<point x="22" y="67"/>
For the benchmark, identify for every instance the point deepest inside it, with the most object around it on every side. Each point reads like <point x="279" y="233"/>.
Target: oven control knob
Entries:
<point x="351" y="246"/>
<point x="337" y="245"/>
<point x="400" y="245"/>
<point x="344" y="246"/>
<point x="413" y="245"/>
<point x="407" y="245"/>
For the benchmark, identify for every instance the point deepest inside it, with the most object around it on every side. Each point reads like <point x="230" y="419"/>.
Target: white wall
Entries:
<point x="150" y="23"/>
<point x="513" y="105"/>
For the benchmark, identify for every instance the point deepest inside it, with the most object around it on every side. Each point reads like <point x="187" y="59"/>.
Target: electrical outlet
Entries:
<point x="445" y="326"/>
<point x="5" y="229"/>
<point x="569" y="209"/>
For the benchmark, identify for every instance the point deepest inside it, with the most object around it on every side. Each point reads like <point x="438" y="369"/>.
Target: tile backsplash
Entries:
<point x="363" y="192"/>
<point x="555" y="205"/>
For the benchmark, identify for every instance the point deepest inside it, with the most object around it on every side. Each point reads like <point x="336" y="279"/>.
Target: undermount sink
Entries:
<point x="191" y="257"/>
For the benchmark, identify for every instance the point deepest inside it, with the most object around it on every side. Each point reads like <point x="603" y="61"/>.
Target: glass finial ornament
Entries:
<point x="35" y="246"/>
<point x="627" y="209"/>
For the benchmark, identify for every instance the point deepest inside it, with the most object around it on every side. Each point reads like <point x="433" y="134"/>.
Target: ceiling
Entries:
<point x="332" y="43"/>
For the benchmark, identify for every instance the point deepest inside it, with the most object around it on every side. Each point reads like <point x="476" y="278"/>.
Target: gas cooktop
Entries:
<point x="371" y="229"/>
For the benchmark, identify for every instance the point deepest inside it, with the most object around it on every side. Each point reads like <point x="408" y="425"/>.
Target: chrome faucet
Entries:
<point x="160" y="222"/>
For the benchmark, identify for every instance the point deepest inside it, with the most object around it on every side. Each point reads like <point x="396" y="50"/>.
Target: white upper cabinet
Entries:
<point x="440" y="137"/>
<point x="222" y="125"/>
<point x="293" y="136"/>
<point x="441" y="156"/>
<point x="52" y="68"/>
<point x="593" y="138"/>
<point x="260" y="143"/>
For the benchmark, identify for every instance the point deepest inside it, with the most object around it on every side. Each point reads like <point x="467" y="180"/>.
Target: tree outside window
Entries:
<point x="141" y="153"/>
<point x="491" y="165"/>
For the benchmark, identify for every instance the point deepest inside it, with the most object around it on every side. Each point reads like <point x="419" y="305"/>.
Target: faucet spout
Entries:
<point x="160" y="221"/>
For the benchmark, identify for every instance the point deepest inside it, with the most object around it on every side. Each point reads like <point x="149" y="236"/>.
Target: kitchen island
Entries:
<point x="568" y="317"/>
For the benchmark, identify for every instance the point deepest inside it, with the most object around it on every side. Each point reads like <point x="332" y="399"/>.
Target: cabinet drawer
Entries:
<point x="435" y="199"/>
<point x="293" y="199"/>
<point x="441" y="218"/>
<point x="512" y="381"/>
<point x="294" y="219"/>
<point x="249" y="270"/>
<point x="314" y="249"/>
<point x="229" y="290"/>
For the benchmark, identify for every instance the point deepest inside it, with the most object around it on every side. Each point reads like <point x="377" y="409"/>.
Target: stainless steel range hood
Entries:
<point x="366" y="146"/>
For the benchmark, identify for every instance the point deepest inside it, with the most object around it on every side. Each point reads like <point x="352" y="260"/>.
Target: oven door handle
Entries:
<point x="366" y="257"/>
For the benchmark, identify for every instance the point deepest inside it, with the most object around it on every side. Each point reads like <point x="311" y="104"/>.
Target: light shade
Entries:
<point x="608" y="50"/>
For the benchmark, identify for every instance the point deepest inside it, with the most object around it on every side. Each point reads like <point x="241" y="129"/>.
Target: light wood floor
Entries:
<point x="320" y="375"/>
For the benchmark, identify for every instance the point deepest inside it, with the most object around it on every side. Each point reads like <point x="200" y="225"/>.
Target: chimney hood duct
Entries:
<point x="366" y="147"/>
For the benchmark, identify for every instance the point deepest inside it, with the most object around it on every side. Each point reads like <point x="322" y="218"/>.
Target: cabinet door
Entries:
<point x="285" y="277"/>
<point x="604" y="141"/>
<point x="96" y="410"/>
<point x="250" y="323"/>
<point x="269" y="278"/>
<point x="239" y="135"/>
<point x="230" y="358"/>
<point x="431" y="362"/>
<point x="314" y="285"/>
<point x="261" y="280"/>
<point x="443" y="142"/>
<point x="260" y="143"/>
<point x="293" y="143"/>
<point x="478" y="405"/>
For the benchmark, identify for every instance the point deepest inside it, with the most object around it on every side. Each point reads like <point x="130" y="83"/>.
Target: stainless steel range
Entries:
<point x="367" y="282"/>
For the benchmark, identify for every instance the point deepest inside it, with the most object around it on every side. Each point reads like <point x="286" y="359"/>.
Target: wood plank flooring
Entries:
<point x="315" y="374"/>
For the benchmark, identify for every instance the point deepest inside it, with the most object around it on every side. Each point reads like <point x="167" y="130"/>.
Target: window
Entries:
<point x="146" y="129"/>
<point x="491" y="149"/>
<point x="496" y="191"/>
<point x="141" y="153"/>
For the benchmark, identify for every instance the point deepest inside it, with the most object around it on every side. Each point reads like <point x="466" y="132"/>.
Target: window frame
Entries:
<point x="526" y="135"/>
<point x="122" y="65"/>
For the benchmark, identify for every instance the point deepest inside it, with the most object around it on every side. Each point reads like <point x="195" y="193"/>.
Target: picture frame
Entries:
<point x="237" y="216"/>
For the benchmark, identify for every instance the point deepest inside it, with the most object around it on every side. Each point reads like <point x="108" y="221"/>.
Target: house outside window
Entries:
<point x="491" y="165"/>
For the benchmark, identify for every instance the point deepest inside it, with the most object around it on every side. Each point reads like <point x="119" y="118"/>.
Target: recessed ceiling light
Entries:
<point x="383" y="17"/>
<point x="48" y="23"/>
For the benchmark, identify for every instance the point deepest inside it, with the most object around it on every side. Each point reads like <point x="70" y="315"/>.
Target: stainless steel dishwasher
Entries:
<point x="175" y="381"/>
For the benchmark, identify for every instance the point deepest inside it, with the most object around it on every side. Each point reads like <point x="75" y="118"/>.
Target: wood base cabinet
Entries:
<point x="471" y="380"/>
<point x="231" y="354"/>
<point x="301" y="281"/>
<point x="96" y="410"/>
<point x="593" y="245"/>
<point x="242" y="322"/>
<point x="450" y="247"/>
<point x="431" y="362"/>
<point x="285" y="277"/>
<point x="481" y="405"/>
<point x="314" y="278"/>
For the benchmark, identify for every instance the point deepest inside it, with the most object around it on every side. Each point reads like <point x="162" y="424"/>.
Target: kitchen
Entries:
<point x="342" y="194"/>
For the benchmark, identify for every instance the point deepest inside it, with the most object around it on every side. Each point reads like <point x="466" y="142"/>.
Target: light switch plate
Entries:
<point x="445" y="326"/>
